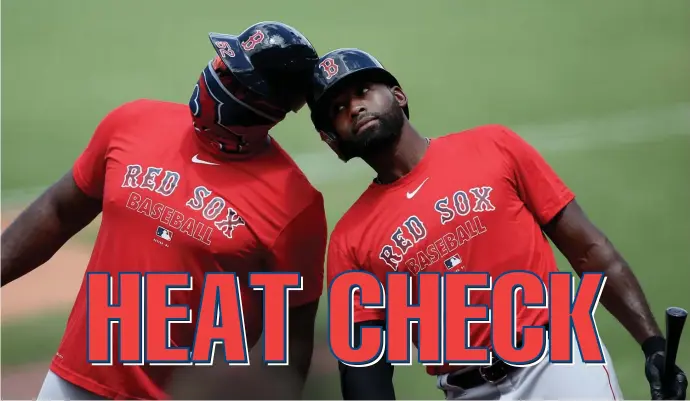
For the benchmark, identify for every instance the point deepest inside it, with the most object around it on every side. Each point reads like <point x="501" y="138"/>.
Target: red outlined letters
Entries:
<point x="574" y="314"/>
<point x="276" y="288"/>
<point x="344" y="291"/>
<point x="445" y="314"/>
<point x="112" y="303"/>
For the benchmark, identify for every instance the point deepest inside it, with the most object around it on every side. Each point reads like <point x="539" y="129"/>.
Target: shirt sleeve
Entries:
<point x="89" y="168"/>
<point x="301" y="247"/>
<point x="341" y="261"/>
<point x="537" y="184"/>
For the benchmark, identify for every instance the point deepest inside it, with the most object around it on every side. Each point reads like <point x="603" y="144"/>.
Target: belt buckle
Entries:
<point x="489" y="376"/>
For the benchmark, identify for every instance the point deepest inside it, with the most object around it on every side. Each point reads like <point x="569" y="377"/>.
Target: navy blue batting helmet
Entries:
<point x="250" y="85"/>
<point x="335" y="69"/>
<point x="271" y="59"/>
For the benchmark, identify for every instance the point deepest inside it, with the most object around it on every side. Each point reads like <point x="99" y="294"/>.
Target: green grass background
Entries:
<point x="601" y="88"/>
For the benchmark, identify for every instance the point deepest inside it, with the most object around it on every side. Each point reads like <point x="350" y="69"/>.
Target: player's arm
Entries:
<point x="374" y="382"/>
<point x="581" y="242"/>
<point x="589" y="250"/>
<point x="45" y="226"/>
<point x="301" y="247"/>
<point x="62" y="210"/>
<point x="301" y="332"/>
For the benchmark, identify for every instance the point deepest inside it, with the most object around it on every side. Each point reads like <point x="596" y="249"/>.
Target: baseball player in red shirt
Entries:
<point x="193" y="188"/>
<point x="480" y="200"/>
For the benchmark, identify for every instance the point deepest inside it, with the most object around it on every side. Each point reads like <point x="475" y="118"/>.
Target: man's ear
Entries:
<point x="400" y="96"/>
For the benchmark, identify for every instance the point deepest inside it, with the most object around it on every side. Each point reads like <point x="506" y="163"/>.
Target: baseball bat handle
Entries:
<point x="675" y="320"/>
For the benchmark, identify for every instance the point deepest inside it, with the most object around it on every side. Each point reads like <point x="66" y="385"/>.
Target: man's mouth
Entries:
<point x="364" y="123"/>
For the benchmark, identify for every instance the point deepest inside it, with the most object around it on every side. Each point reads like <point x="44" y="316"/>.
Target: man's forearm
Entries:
<point x="373" y="382"/>
<point x="45" y="226"/>
<point x="622" y="294"/>
<point x="301" y="340"/>
<point x="32" y="239"/>
<point x="301" y="352"/>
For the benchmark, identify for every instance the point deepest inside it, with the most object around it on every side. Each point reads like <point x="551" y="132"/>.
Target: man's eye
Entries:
<point x="362" y="90"/>
<point x="337" y="108"/>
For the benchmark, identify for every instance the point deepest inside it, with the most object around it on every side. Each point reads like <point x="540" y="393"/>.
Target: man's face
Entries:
<point x="367" y="117"/>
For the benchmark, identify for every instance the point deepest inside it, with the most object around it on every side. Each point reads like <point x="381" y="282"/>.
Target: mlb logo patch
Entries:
<point x="164" y="233"/>
<point x="453" y="261"/>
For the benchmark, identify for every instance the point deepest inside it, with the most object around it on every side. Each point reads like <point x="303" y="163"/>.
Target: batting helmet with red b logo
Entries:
<point x="334" y="69"/>
<point x="254" y="80"/>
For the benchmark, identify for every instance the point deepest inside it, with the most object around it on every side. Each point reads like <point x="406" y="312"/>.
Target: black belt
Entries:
<point x="481" y="375"/>
<point x="484" y="374"/>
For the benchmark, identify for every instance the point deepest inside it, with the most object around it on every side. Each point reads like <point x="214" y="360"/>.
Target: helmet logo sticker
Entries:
<point x="329" y="67"/>
<point x="194" y="101"/>
<point x="224" y="48"/>
<point x="253" y="40"/>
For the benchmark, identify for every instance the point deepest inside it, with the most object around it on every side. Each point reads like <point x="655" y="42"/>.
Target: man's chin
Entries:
<point x="369" y="143"/>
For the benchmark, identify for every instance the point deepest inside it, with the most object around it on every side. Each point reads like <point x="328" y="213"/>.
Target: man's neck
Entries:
<point x="400" y="157"/>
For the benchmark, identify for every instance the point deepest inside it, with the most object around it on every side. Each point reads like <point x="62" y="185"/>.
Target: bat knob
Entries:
<point x="676" y="312"/>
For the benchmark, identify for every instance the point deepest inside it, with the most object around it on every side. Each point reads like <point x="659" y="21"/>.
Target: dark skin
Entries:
<point x="63" y="210"/>
<point x="250" y="382"/>
<point x="359" y="103"/>
<point x="585" y="246"/>
<point x="45" y="226"/>
<point x="301" y="344"/>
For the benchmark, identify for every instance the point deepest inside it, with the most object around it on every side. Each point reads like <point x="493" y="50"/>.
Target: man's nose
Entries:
<point x="356" y="108"/>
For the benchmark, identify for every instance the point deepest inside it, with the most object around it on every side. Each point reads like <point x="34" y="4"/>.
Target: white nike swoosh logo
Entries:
<point x="410" y="195"/>
<point x="196" y="159"/>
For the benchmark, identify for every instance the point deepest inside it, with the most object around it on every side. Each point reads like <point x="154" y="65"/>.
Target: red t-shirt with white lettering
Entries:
<point x="474" y="203"/>
<point x="170" y="206"/>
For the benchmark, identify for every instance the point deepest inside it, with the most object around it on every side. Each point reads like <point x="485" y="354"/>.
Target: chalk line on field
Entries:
<point x="630" y="127"/>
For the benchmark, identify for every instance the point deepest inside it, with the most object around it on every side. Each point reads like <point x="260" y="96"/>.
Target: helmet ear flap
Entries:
<point x="327" y="137"/>
<point x="332" y="142"/>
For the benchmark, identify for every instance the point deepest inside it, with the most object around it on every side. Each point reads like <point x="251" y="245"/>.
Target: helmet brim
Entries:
<point x="285" y="82"/>
<point x="228" y="48"/>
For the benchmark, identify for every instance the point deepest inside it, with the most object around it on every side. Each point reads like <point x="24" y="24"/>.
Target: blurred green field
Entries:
<point x="601" y="88"/>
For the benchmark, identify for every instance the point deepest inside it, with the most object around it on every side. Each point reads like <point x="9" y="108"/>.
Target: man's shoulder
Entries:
<point x="356" y="219"/>
<point x="155" y="118"/>
<point x="279" y="175"/>
<point x="138" y="110"/>
<point x="288" y="174"/>
<point x="147" y="105"/>
<point x="486" y="132"/>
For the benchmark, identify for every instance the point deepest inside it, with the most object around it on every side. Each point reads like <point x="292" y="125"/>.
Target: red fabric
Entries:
<point x="519" y="189"/>
<point x="139" y="161"/>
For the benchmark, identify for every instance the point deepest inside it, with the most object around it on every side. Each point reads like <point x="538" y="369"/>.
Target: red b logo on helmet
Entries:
<point x="329" y="67"/>
<point x="253" y="40"/>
